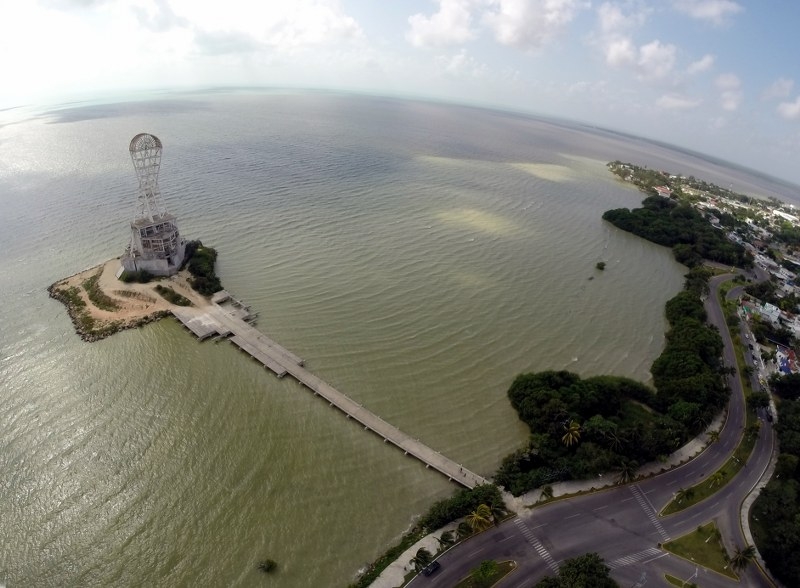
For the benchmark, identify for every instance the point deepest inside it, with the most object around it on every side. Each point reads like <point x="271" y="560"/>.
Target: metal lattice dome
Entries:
<point x="144" y="141"/>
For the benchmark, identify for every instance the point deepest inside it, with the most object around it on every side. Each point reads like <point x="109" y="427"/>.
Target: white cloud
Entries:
<point x="283" y="26"/>
<point x="613" y="20"/>
<point x="703" y="64"/>
<point x="158" y="16"/>
<point x="727" y="81"/>
<point x="790" y="110"/>
<point x="780" y="88"/>
<point x="621" y="52"/>
<point x="462" y="65"/>
<point x="677" y="102"/>
<point x="656" y="60"/>
<point x="451" y="24"/>
<point x="530" y="23"/>
<point x="653" y="61"/>
<point x="714" y="11"/>
<point x="730" y="96"/>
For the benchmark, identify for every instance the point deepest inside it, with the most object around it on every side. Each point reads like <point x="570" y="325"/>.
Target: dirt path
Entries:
<point x="135" y="303"/>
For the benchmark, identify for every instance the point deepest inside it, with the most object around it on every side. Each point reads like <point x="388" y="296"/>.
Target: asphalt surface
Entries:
<point x="622" y="523"/>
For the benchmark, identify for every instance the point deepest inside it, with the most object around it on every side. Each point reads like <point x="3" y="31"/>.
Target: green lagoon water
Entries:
<point x="418" y="256"/>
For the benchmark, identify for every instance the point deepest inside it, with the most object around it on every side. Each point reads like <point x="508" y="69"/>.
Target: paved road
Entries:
<point x="621" y="523"/>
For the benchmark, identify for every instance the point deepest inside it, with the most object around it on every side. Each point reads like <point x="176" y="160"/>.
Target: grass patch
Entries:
<point x="677" y="581"/>
<point x="99" y="298"/>
<point x="172" y="296"/>
<point x="715" y="482"/>
<point x="502" y="569"/>
<point x="142" y="276"/>
<point x="704" y="548"/>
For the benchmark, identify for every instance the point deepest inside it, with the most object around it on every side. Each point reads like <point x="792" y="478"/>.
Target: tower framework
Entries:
<point x="156" y="245"/>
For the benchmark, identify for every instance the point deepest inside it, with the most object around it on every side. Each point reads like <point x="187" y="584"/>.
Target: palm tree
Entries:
<point x="422" y="559"/>
<point x="753" y="428"/>
<point x="573" y="434"/>
<point x="716" y="479"/>
<point x="463" y="530"/>
<point x="498" y="511"/>
<point x="480" y="519"/>
<point x="626" y="471"/>
<point x="614" y="440"/>
<point x="713" y="436"/>
<point x="445" y="540"/>
<point x="684" y="494"/>
<point x="743" y="557"/>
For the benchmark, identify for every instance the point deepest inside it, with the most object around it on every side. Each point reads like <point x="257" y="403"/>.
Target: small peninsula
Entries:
<point x="117" y="294"/>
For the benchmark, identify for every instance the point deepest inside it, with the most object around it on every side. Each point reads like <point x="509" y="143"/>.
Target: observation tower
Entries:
<point x="156" y="246"/>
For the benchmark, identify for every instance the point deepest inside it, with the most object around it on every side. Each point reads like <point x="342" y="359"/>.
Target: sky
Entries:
<point x="721" y="77"/>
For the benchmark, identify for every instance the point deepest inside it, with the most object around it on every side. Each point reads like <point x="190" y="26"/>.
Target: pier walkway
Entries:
<point x="232" y="321"/>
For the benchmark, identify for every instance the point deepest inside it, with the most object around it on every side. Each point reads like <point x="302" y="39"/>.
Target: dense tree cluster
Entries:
<point x="201" y="262"/>
<point x="766" y="333"/>
<point x="681" y="227"/>
<point x="787" y="233"/>
<point x="777" y="509"/>
<point x="584" y="427"/>
<point x="460" y="505"/>
<point x="787" y="386"/>
<point x="585" y="571"/>
<point x="767" y="291"/>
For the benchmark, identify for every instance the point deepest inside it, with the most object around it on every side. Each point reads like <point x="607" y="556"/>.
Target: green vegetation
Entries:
<point x="703" y="547"/>
<point x="267" y="566"/>
<point x="685" y="498"/>
<point x="678" y="582"/>
<point x="585" y="571"/>
<point x="442" y="512"/>
<point x="201" y="262"/>
<point x="142" y="277"/>
<point x="581" y="428"/>
<point x="422" y="558"/>
<point x="97" y="296"/>
<point x="487" y="574"/>
<point x="775" y="517"/>
<point x="681" y="227"/>
<point x="172" y="296"/>
<point x="647" y="179"/>
<point x="787" y="387"/>
<point x="601" y="265"/>
<point x="767" y="291"/>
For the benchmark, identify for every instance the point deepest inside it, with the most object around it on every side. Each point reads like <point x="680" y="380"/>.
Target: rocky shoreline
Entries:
<point x="99" y="304"/>
<point x="88" y="330"/>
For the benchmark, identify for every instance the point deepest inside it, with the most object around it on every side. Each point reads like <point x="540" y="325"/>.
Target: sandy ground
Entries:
<point x="135" y="301"/>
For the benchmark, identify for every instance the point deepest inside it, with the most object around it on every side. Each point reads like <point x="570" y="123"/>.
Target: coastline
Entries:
<point x="129" y="305"/>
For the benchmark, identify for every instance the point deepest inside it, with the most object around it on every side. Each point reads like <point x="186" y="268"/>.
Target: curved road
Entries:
<point x="621" y="523"/>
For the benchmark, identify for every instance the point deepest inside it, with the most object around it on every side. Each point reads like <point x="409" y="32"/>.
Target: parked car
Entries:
<point x="431" y="568"/>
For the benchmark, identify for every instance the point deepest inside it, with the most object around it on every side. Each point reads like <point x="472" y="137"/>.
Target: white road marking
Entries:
<point x="648" y="509"/>
<point x="635" y="557"/>
<point x="536" y="544"/>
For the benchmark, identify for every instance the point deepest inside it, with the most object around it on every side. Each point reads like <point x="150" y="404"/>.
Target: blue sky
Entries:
<point x="717" y="76"/>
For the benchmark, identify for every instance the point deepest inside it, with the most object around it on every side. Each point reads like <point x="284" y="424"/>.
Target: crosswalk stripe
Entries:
<point x="649" y="511"/>
<point x="537" y="545"/>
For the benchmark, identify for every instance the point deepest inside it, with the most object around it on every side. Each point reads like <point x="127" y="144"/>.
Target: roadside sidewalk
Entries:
<point x="693" y="448"/>
<point x="394" y="574"/>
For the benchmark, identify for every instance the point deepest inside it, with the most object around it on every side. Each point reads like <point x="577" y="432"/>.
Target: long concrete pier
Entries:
<point x="227" y="317"/>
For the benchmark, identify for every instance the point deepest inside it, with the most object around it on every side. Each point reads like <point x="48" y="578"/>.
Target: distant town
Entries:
<point x="769" y="230"/>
